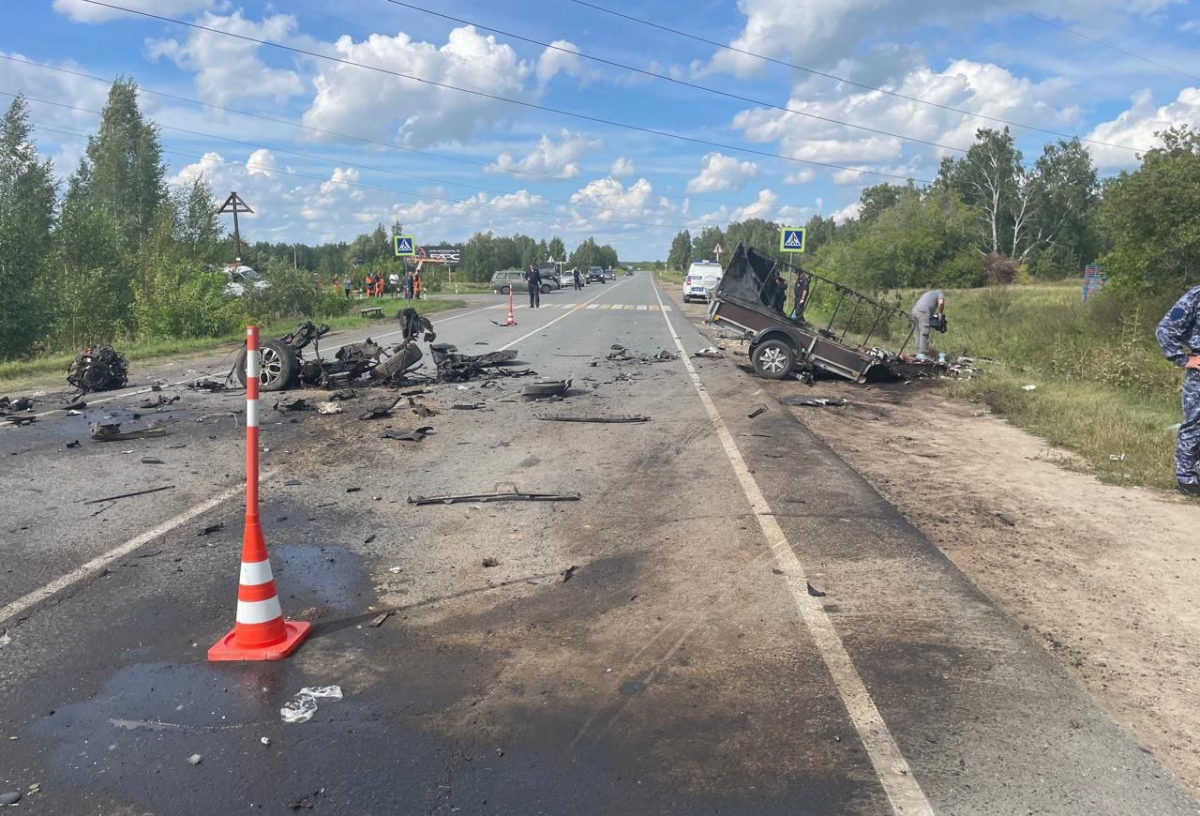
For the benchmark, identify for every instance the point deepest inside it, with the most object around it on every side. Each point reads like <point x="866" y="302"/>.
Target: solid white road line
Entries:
<point x="78" y="574"/>
<point x="903" y="792"/>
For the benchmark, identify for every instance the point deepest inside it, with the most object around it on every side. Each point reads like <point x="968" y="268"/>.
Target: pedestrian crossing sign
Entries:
<point x="405" y="246"/>
<point x="791" y="239"/>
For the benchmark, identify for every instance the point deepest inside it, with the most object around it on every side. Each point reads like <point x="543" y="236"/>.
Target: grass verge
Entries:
<point x="13" y="371"/>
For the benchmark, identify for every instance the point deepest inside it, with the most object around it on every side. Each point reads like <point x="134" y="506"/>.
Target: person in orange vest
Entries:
<point x="417" y="285"/>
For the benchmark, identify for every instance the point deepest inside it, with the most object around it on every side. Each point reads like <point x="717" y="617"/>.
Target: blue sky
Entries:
<point x="332" y="148"/>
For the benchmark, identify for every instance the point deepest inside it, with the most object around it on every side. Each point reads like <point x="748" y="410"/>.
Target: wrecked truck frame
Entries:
<point x="781" y="345"/>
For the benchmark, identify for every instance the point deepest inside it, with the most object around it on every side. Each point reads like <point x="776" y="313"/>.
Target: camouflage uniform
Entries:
<point x="1178" y="336"/>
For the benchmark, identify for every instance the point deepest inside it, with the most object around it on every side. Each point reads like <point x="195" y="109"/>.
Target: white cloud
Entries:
<point x="608" y="199"/>
<point x="548" y="157"/>
<point x="762" y="207"/>
<point x="341" y="179"/>
<point x="262" y="162"/>
<point x="846" y="213"/>
<point x="805" y="175"/>
<point x="365" y="103"/>
<point x="82" y="12"/>
<point x="622" y="168"/>
<point x="227" y="68"/>
<point x="720" y="172"/>
<point x="557" y="59"/>
<point x="1136" y="127"/>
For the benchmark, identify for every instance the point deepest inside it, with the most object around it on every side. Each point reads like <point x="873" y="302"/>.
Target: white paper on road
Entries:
<point x="303" y="706"/>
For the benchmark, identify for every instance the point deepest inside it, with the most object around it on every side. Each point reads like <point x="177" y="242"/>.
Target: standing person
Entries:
<point x="394" y="285"/>
<point x="778" y="292"/>
<point x="800" y="295"/>
<point x="408" y="285"/>
<point x="417" y="284"/>
<point x="1178" y="336"/>
<point x="533" y="277"/>
<point x="929" y="304"/>
<point x="578" y="279"/>
<point x="346" y="284"/>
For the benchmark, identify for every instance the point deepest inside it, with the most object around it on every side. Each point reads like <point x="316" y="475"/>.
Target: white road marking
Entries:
<point x="903" y="792"/>
<point x="555" y="320"/>
<point x="99" y="562"/>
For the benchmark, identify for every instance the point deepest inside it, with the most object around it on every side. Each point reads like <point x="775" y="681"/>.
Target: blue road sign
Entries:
<point x="791" y="239"/>
<point x="404" y="245"/>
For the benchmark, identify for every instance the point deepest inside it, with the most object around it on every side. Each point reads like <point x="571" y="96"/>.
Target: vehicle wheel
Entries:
<point x="773" y="359"/>
<point x="504" y="290"/>
<point x="277" y="369"/>
<point x="545" y="288"/>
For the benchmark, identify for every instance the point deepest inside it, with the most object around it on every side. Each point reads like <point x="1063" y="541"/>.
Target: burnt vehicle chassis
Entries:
<point x="283" y="364"/>
<point x="781" y="345"/>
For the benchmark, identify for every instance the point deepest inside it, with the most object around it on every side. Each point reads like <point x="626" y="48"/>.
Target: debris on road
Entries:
<point x="546" y="388"/>
<point x="303" y="706"/>
<point x="212" y="528"/>
<point x="710" y="353"/>
<point x="619" y="353"/>
<point x="207" y="385"/>
<point x="159" y="402"/>
<point x="195" y="759"/>
<point x="757" y="412"/>
<point x="130" y="495"/>
<point x="294" y="405"/>
<point x="380" y="411"/>
<point x="1006" y="520"/>
<point x="813" y="591"/>
<point x="1028" y="387"/>
<point x="10" y="798"/>
<point x="151" y="460"/>
<point x="515" y="495"/>
<point x="343" y="394"/>
<point x="415" y="435"/>
<point x="111" y="432"/>
<point x="215" y="417"/>
<point x="816" y="402"/>
<point x="379" y="619"/>
<point x="569" y="573"/>
<point x="666" y="356"/>
<point x="292" y="483"/>
<point x="20" y="420"/>
<point x="468" y="406"/>
<point x="490" y="562"/>
<point x="73" y="444"/>
<point x="369" y="539"/>
<point x="328" y="408"/>
<point x="612" y="419"/>
<point x="98" y="368"/>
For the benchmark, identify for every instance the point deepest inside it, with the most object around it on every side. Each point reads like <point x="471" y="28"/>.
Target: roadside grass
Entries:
<point x="13" y="373"/>
<point x="669" y="277"/>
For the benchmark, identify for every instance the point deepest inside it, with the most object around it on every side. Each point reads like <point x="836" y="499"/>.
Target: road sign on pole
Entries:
<point x="791" y="239"/>
<point x="717" y="250"/>
<point x="405" y="246"/>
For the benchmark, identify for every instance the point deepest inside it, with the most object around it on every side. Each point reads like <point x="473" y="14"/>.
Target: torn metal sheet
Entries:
<point x="612" y="419"/>
<point x="130" y="495"/>
<point x="415" y="435"/>
<point x="816" y="402"/>
<point x="515" y="495"/>
<point x="111" y="432"/>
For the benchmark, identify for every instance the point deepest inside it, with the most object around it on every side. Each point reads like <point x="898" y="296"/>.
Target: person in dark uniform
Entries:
<point x="578" y="278"/>
<point x="533" y="277"/>
<point x="778" y="292"/>
<point x="1178" y="336"/>
<point x="800" y="295"/>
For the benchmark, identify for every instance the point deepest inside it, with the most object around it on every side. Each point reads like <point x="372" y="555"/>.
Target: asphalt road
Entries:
<point x="690" y="664"/>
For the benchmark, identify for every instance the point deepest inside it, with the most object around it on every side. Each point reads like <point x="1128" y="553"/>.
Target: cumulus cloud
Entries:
<point x="762" y="207"/>
<point x="82" y="12"/>
<point x="556" y="59"/>
<point x="367" y="104"/>
<point x="805" y="175"/>
<point x="720" y="172"/>
<point x="548" y="157"/>
<point x="227" y="68"/>
<point x="608" y="199"/>
<point x="343" y="178"/>
<point x="622" y="168"/>
<point x="1136" y="127"/>
<point x="846" y="213"/>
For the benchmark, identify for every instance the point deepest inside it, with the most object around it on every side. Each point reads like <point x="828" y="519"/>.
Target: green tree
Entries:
<point x="27" y="201"/>
<point x="198" y="227"/>
<point x="704" y="243"/>
<point x="586" y="254"/>
<point x="876" y="200"/>
<point x="556" y="250"/>
<point x="680" y="256"/>
<point x="1153" y="217"/>
<point x="1065" y="229"/>
<point x="759" y="233"/>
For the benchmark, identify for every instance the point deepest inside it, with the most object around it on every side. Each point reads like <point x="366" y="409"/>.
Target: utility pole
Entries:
<point x="235" y="205"/>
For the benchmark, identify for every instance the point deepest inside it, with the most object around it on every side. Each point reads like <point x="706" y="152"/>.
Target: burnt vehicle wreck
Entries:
<point x="284" y="363"/>
<point x="98" y="368"/>
<point x="847" y="345"/>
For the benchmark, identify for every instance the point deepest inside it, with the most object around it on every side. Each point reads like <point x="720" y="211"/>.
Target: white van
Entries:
<point x="701" y="279"/>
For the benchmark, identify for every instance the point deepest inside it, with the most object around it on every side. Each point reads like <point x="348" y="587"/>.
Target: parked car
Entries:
<point x="701" y="279"/>
<point x="240" y="277"/>
<point x="549" y="276"/>
<point x="595" y="274"/>
<point x="514" y="279"/>
<point x="610" y="274"/>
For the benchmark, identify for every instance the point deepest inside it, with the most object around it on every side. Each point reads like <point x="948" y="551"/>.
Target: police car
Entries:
<point x="701" y="279"/>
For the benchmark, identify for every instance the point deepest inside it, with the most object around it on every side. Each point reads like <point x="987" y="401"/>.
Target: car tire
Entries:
<point x="773" y="359"/>
<point x="545" y="288"/>
<point x="277" y="370"/>
<point x="504" y="290"/>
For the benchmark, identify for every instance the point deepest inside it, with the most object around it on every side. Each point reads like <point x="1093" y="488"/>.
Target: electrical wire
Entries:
<point x="497" y="98"/>
<point x="836" y="78"/>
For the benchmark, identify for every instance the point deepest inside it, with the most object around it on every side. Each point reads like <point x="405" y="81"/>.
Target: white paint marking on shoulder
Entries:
<point x="98" y="563"/>
<point x="903" y="791"/>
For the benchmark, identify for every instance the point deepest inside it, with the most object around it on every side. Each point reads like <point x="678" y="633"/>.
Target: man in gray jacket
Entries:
<point x="1178" y="336"/>
<point x="929" y="304"/>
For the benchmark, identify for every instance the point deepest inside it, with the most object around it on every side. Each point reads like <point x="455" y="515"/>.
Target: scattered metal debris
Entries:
<point x="73" y="444"/>
<point x="151" y="460"/>
<point x="212" y="528"/>
<point x="379" y="619"/>
<point x="759" y="411"/>
<point x="1006" y="520"/>
<point x="294" y="405"/>
<point x="468" y="406"/>
<point x="569" y="573"/>
<point x="111" y="432"/>
<point x="20" y="420"/>
<point x="159" y="402"/>
<point x="207" y="385"/>
<point x="343" y="394"/>
<point x="710" y="353"/>
<point x="612" y="419"/>
<point x="816" y="402"/>
<point x="415" y="435"/>
<point x="292" y="483"/>
<point x="490" y="562"/>
<point x="813" y="591"/>
<point x="130" y="495"/>
<point x="514" y="495"/>
<point x="380" y="411"/>
<point x="98" y="368"/>
<point x="665" y="356"/>
<point x="328" y="408"/>
<point x="546" y="388"/>
<point x="215" y="417"/>
<point x="195" y="759"/>
<point x="369" y="539"/>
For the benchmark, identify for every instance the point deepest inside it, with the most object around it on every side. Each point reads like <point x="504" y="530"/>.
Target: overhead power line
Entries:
<point x="507" y="100"/>
<point x="420" y="196"/>
<point x="836" y="78"/>
<point x="300" y="126"/>
<point x="1082" y="36"/>
<point x="675" y="81"/>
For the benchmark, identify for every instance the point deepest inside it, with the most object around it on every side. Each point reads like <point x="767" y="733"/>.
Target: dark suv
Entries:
<point x="595" y="274"/>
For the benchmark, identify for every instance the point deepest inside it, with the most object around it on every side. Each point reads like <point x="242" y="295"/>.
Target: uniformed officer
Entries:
<point x="800" y="295"/>
<point x="931" y="303"/>
<point x="1178" y="336"/>
<point x="534" y="276"/>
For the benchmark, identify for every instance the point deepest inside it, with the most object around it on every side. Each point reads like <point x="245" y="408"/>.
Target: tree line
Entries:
<point x="992" y="217"/>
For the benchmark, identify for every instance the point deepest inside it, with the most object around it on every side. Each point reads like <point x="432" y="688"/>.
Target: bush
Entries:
<point x="185" y="299"/>
<point x="999" y="268"/>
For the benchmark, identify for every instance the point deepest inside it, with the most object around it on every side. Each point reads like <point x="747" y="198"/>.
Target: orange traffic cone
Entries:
<point x="259" y="631"/>
<point x="512" y="321"/>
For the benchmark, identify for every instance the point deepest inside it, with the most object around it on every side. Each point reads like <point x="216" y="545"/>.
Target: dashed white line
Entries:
<point x="903" y="791"/>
